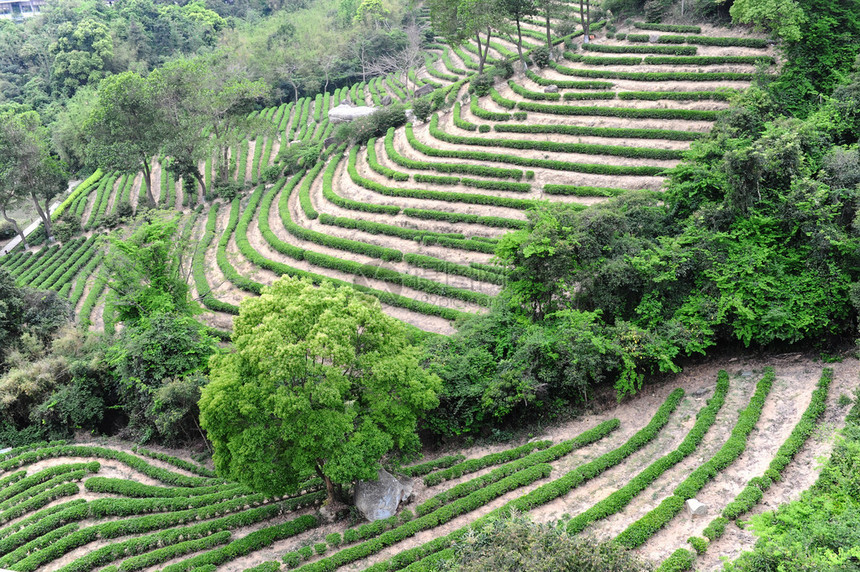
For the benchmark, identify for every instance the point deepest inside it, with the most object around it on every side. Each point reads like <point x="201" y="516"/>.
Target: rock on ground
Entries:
<point x="379" y="499"/>
<point x="345" y="113"/>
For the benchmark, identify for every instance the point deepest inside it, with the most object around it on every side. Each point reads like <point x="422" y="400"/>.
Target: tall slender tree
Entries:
<point x="459" y="20"/>
<point x="516" y="10"/>
<point x="29" y="166"/>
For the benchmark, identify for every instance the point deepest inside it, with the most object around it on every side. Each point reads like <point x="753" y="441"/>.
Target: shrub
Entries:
<point x="516" y="543"/>
<point x="478" y="111"/>
<point x="422" y="108"/>
<point x="505" y="69"/>
<point x="64" y="229"/>
<point x="320" y="548"/>
<point x="270" y="174"/>
<point x="540" y="56"/>
<point x="334" y="539"/>
<point x="626" y="112"/>
<point x="668" y="28"/>
<point x="292" y="559"/>
<point x="528" y="94"/>
<point x="229" y="190"/>
<point x="584" y="148"/>
<point x="305" y="552"/>
<point x="722" y="41"/>
<point x="480" y="85"/>
<point x="620" y="132"/>
<point x="679" y="561"/>
<point x="668" y="50"/>
<point x="503" y="102"/>
<point x="699" y="544"/>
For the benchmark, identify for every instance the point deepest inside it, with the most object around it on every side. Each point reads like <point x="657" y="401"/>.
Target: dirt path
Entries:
<point x="155" y="178"/>
<point x="134" y="194"/>
<point x="114" y="194"/>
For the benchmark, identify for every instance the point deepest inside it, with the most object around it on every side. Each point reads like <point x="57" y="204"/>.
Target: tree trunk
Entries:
<point x="583" y="18"/>
<point x="331" y="494"/>
<point x="548" y="31"/>
<point x="520" y="44"/>
<point x="147" y="179"/>
<point x="15" y="226"/>
<point x="487" y="46"/>
<point x="480" y="59"/>
<point x="45" y="216"/>
<point x="201" y="197"/>
<point x="331" y="491"/>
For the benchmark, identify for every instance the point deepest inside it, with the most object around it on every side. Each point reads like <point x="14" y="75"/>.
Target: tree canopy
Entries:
<point x="321" y="381"/>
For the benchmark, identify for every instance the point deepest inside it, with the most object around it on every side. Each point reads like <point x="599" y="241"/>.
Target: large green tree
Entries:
<point x="320" y="381"/>
<point x="126" y="127"/>
<point x="29" y="166"/>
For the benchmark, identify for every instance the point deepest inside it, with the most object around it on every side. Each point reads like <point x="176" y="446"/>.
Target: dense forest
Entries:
<point x="746" y="240"/>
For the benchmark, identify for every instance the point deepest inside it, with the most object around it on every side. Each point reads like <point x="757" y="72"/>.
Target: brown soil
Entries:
<point x="249" y="165"/>
<point x="114" y="194"/>
<point x="134" y="195"/>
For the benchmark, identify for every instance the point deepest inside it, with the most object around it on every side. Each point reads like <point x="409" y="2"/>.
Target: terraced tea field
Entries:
<point x="413" y="217"/>
<point x="740" y="443"/>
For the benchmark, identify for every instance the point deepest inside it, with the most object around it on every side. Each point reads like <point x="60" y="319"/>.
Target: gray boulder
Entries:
<point x="379" y="499"/>
<point x="5" y="450"/>
<point x="424" y="90"/>
<point x="551" y="89"/>
<point x="695" y="508"/>
<point x="345" y="113"/>
<point x="410" y="116"/>
<point x="387" y="100"/>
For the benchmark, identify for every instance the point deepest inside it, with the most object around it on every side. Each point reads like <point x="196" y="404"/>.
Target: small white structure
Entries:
<point x="695" y="508"/>
<point x="344" y="113"/>
<point x="19" y="9"/>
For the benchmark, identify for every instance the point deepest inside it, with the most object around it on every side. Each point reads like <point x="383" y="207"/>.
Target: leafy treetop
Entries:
<point x="321" y="381"/>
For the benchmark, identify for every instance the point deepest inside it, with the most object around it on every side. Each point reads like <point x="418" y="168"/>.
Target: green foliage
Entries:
<point x="480" y="85"/>
<point x="615" y="132"/>
<point x="690" y="114"/>
<point x="159" y="364"/>
<point x="583" y="148"/>
<point x="473" y="465"/>
<point x="668" y="28"/>
<point x="540" y="56"/>
<point x="516" y="543"/>
<point x="679" y="561"/>
<point x="146" y="272"/>
<point x="361" y="378"/>
<point x="667" y="50"/>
